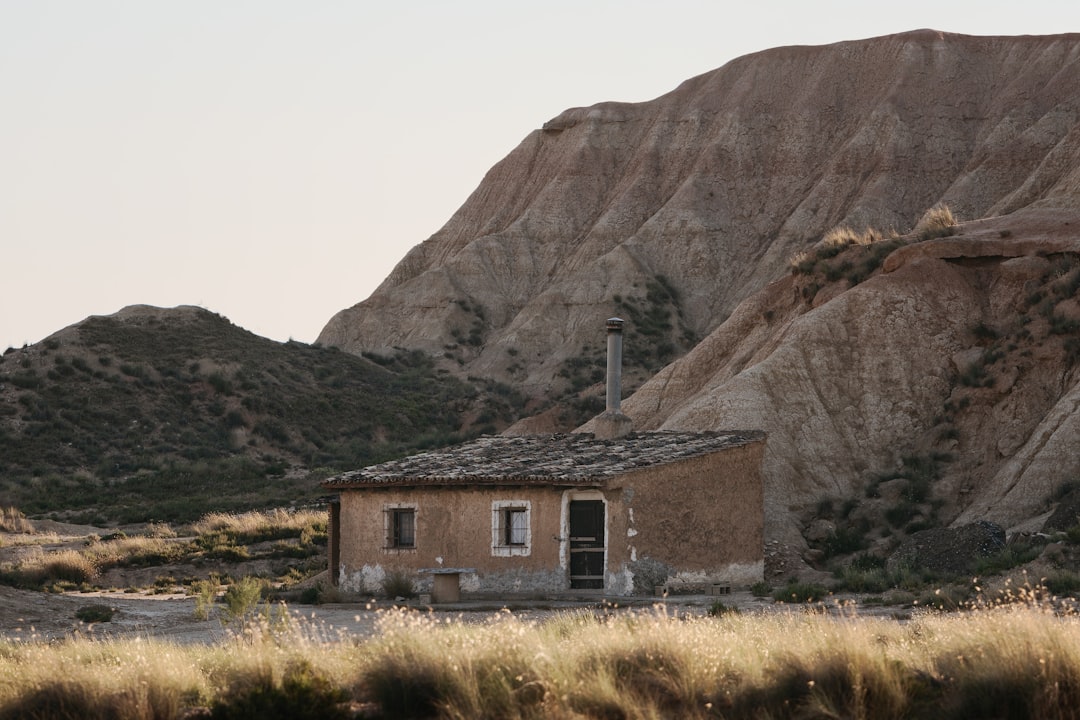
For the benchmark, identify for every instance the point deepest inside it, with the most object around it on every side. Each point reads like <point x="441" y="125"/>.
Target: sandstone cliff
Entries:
<point x="708" y="190"/>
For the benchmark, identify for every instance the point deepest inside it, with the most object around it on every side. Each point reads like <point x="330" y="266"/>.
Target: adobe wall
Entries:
<point x="453" y="529"/>
<point x="701" y="520"/>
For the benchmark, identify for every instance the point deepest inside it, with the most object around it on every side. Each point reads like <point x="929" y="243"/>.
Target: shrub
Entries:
<point x="50" y="569"/>
<point x="205" y="592"/>
<point x="1063" y="583"/>
<point x="1009" y="557"/>
<point x="718" y="609"/>
<point x="242" y="597"/>
<point x="398" y="583"/>
<point x="844" y="540"/>
<point x="95" y="613"/>
<point x="800" y="592"/>
<point x="761" y="589"/>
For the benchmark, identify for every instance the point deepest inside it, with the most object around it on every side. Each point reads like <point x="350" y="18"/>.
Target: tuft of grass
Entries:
<point x="936" y="222"/>
<point x="13" y="521"/>
<point x="62" y="568"/>
<point x="259" y="526"/>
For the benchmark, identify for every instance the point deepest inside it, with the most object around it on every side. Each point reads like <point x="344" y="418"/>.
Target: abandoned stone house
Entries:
<point x="543" y="514"/>
<point x="617" y="512"/>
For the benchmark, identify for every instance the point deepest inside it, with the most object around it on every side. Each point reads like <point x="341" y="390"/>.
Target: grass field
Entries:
<point x="1014" y="660"/>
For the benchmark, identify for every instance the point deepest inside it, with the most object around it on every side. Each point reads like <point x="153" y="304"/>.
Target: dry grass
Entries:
<point x="796" y="665"/>
<point x="1015" y="660"/>
<point x="259" y="523"/>
<point x="13" y="521"/>
<point x="936" y="222"/>
<point x="843" y="236"/>
<point x="833" y="243"/>
<point x="221" y="537"/>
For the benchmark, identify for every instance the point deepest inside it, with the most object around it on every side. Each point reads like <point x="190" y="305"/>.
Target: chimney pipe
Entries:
<point x="614" y="365"/>
<point x="611" y="423"/>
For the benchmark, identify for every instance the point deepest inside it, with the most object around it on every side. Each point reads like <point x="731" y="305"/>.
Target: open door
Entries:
<point x="587" y="544"/>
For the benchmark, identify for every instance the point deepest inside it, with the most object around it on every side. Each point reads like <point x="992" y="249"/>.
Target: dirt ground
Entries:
<point x="29" y="616"/>
<point x="32" y="616"/>
<point x="36" y="616"/>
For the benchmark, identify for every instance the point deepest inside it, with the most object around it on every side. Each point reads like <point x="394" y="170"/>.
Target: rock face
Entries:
<point x="682" y="215"/>
<point x="958" y="356"/>
<point x="715" y="185"/>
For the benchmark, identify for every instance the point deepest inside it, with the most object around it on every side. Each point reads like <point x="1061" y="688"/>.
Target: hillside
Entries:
<point x="757" y="228"/>
<point x="941" y="387"/>
<point x="671" y="212"/>
<point x="165" y="414"/>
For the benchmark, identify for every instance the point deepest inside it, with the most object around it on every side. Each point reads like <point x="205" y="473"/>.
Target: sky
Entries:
<point x="272" y="160"/>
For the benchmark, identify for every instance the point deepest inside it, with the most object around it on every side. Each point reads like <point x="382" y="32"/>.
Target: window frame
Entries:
<point x="503" y="532"/>
<point x="392" y="526"/>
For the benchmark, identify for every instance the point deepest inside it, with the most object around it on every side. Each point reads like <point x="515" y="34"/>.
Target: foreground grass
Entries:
<point x="1012" y="661"/>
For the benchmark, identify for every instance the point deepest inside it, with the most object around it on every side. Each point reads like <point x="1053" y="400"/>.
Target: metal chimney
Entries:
<point x="612" y="423"/>
<point x="614" y="365"/>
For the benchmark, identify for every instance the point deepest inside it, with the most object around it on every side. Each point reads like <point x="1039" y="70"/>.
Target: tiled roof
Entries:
<point x="567" y="459"/>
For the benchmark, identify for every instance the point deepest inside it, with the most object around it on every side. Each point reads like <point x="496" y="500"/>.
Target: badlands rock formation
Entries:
<point x="684" y="213"/>
<point x="715" y="185"/>
<point x="967" y="349"/>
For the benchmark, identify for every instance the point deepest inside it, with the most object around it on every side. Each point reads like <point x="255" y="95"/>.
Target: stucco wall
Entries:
<point x="453" y="529"/>
<point x="702" y="518"/>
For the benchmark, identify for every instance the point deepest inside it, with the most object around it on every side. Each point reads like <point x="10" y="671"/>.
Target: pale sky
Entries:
<point x="271" y="161"/>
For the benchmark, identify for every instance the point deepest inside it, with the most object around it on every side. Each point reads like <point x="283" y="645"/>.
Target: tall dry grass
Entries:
<point x="936" y="222"/>
<point x="268" y="523"/>
<point x="82" y="565"/>
<point x="1009" y="661"/>
<point x="13" y="521"/>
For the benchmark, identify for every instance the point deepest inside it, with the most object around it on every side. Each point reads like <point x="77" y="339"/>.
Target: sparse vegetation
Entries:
<point x="300" y="547"/>
<point x="132" y="422"/>
<point x="1018" y="656"/>
<point x="398" y="584"/>
<point x="857" y="255"/>
<point x="800" y="592"/>
<point x="936" y="222"/>
<point x="94" y="613"/>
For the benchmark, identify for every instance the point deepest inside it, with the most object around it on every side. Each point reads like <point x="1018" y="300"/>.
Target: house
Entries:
<point x="544" y="514"/>
<point x="612" y="511"/>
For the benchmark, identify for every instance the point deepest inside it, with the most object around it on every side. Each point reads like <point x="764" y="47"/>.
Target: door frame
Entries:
<point x="564" y="532"/>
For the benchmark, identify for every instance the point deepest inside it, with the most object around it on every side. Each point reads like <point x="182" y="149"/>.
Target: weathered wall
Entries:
<point x="453" y="529"/>
<point x="701" y="519"/>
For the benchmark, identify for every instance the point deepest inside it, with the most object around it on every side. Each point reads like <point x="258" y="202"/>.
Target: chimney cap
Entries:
<point x="614" y="324"/>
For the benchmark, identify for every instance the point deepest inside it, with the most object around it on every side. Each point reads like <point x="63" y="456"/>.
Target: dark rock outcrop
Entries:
<point x="950" y="551"/>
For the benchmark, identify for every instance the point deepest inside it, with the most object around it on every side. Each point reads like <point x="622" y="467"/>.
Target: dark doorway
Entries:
<point x="587" y="544"/>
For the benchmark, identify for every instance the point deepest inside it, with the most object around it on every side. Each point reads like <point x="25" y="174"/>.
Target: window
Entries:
<point x="511" y="534"/>
<point x="401" y="527"/>
<point x="515" y="525"/>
